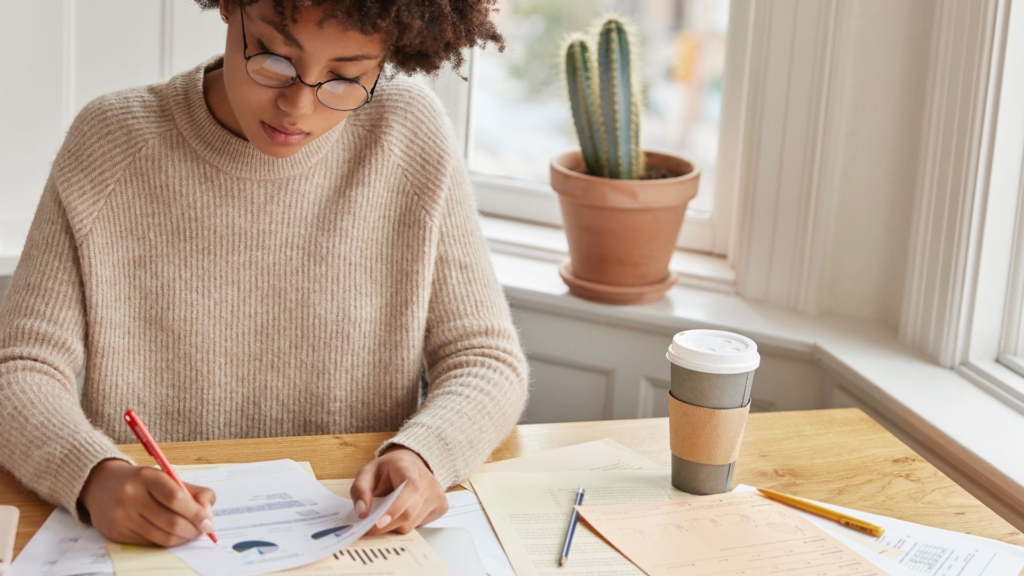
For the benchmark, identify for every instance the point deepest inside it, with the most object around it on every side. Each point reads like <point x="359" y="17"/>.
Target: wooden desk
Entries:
<point x="838" y="456"/>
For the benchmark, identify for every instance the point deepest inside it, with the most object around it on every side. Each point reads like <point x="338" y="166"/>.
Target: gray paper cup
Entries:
<point x="711" y="369"/>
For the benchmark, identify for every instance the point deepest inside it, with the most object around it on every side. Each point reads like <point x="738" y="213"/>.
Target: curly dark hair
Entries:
<point x="419" y="35"/>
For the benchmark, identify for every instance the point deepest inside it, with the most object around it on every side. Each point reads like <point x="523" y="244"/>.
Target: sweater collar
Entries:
<point x="223" y="149"/>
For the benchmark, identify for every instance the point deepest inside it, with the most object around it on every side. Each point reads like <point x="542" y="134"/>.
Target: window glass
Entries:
<point x="521" y="117"/>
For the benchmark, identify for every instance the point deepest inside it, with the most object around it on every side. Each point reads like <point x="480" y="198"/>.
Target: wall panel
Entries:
<point x="79" y="50"/>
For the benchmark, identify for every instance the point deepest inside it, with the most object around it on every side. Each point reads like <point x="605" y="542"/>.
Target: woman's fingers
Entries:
<point x="431" y="506"/>
<point x="203" y="495"/>
<point x="415" y="506"/>
<point x="139" y="505"/>
<point x="407" y="522"/>
<point x="363" y="487"/>
<point x="167" y="520"/>
<point x="155" y="534"/>
<point x="167" y="492"/>
<point x="422" y="500"/>
<point x="398" y="508"/>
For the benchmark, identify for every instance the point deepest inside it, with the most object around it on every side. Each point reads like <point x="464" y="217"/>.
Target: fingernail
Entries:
<point x="384" y="521"/>
<point x="361" y="508"/>
<point x="206" y="526"/>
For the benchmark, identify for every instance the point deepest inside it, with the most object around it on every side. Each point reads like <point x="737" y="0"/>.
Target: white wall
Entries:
<point x="884" y="86"/>
<point x="833" y="133"/>
<point x="59" y="54"/>
<point x="590" y="369"/>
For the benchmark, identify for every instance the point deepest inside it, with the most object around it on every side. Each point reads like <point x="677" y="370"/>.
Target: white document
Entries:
<point x="87" y="557"/>
<point x="55" y="538"/>
<point x="273" y="516"/>
<point x="64" y="545"/>
<point x="926" y="551"/>
<point x="464" y="511"/>
<point x="890" y="566"/>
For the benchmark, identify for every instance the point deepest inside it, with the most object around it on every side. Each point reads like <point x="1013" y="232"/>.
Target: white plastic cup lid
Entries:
<point x="713" y="351"/>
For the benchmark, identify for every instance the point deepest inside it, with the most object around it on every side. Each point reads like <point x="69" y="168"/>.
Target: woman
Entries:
<point x="278" y="242"/>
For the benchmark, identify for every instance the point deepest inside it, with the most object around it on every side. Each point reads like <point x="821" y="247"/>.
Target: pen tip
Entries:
<point x="562" y="561"/>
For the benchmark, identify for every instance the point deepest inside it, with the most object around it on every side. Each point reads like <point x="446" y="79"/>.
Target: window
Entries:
<point x="1007" y="194"/>
<point x="518" y="116"/>
<point x="992" y="354"/>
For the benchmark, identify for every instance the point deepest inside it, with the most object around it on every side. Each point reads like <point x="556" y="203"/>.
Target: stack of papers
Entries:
<point x="273" y="516"/>
<point x="529" y="501"/>
<point x="530" y="512"/>
<point x="270" y="516"/>
<point x="645" y="526"/>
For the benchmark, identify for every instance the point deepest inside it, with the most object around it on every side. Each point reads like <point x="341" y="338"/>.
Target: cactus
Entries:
<point x="606" y="109"/>
<point x="583" y="98"/>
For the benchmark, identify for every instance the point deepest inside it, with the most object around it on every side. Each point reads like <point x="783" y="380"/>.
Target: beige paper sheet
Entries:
<point x="530" y="513"/>
<point x="728" y="534"/>
<point x="340" y="486"/>
<point x="605" y="454"/>
<point x="370" y="555"/>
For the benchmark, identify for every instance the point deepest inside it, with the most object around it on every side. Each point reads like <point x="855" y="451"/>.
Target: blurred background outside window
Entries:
<point x="520" y="115"/>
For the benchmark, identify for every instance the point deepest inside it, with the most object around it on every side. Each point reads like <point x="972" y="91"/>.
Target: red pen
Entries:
<point x="135" y="423"/>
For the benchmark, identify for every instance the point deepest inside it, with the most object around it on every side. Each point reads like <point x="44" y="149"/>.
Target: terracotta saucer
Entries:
<point x="613" y="293"/>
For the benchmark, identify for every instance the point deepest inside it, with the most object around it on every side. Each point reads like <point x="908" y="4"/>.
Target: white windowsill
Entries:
<point x="548" y="243"/>
<point x="939" y="413"/>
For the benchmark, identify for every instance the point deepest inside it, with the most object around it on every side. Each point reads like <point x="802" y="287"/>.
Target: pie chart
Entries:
<point x="260" y="547"/>
<point x="337" y="532"/>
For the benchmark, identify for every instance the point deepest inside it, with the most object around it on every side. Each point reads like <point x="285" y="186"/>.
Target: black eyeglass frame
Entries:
<point x="297" y="78"/>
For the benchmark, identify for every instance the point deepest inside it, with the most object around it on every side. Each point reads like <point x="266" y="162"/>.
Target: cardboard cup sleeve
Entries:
<point x="708" y="436"/>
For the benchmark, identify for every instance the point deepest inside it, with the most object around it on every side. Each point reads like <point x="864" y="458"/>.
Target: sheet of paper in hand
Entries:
<point x="273" y="516"/>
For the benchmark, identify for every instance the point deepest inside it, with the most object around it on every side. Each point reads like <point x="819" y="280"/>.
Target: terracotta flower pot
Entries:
<point x="622" y="232"/>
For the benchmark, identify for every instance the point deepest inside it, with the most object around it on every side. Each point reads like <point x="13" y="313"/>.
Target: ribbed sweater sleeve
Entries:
<point x="46" y="440"/>
<point x="477" y="373"/>
<point x="478" y="376"/>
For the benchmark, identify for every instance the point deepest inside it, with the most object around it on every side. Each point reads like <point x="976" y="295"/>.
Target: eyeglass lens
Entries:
<point x="273" y="71"/>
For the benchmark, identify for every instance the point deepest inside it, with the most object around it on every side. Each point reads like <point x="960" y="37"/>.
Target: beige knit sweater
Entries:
<point x="223" y="293"/>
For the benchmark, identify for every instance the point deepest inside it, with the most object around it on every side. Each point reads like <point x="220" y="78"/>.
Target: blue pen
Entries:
<point x="572" y="528"/>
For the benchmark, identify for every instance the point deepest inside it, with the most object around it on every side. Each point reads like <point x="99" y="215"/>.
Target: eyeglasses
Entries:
<point x="275" y="71"/>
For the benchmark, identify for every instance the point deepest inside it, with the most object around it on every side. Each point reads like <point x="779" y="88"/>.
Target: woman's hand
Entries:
<point x="140" y="505"/>
<point x="422" y="500"/>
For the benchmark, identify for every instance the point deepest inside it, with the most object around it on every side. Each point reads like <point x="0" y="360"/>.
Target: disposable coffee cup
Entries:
<point x="712" y="372"/>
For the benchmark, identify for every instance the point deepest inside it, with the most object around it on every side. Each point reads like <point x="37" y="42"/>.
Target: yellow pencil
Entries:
<point x="845" y="520"/>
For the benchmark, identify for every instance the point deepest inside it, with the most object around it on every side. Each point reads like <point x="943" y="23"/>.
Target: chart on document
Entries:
<point x="368" y="556"/>
<point x="273" y="516"/>
<point x="937" y="558"/>
<point x="385" y="555"/>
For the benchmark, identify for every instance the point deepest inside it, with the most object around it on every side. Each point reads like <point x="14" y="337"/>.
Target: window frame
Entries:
<point x="990" y="347"/>
<point x="714" y="233"/>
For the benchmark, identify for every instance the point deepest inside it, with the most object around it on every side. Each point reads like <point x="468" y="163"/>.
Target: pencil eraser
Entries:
<point x="8" y="531"/>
